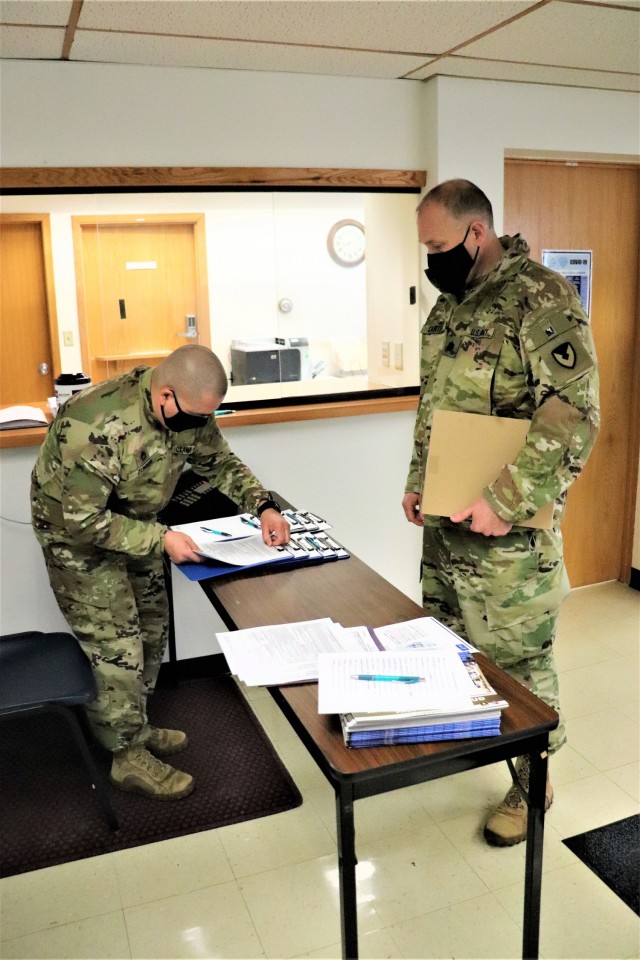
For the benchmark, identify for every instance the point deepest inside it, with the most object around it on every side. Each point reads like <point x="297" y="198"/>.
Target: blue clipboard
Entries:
<point x="209" y="569"/>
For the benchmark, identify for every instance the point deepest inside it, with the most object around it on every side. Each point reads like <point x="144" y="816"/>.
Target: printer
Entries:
<point x="271" y="360"/>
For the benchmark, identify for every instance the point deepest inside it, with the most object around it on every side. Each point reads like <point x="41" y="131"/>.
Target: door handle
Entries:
<point x="43" y="368"/>
<point x="192" y="327"/>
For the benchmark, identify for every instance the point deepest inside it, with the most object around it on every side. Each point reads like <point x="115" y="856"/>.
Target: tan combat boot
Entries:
<point x="164" y="743"/>
<point x="507" y="825"/>
<point x="136" y="771"/>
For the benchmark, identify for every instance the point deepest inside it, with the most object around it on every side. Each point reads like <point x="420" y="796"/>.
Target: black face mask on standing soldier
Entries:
<point x="448" y="271"/>
<point x="182" y="421"/>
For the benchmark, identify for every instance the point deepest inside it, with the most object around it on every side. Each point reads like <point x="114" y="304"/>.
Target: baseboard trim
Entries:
<point x="634" y="582"/>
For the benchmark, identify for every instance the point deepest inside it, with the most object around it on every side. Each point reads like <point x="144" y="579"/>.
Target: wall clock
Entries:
<point x="346" y="242"/>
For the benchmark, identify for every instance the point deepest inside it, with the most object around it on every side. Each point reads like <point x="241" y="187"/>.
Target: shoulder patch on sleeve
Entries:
<point x="547" y="327"/>
<point x="565" y="357"/>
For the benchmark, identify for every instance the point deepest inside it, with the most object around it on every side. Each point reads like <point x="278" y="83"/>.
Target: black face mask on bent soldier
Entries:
<point x="448" y="271"/>
<point x="182" y="421"/>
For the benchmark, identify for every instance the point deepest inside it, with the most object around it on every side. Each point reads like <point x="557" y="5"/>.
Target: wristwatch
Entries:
<point x="268" y="504"/>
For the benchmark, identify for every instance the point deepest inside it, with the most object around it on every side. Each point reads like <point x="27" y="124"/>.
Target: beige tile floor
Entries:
<point x="428" y="886"/>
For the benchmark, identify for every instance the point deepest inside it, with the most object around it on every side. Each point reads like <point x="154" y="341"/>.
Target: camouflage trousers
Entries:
<point x="117" y="607"/>
<point x="503" y="595"/>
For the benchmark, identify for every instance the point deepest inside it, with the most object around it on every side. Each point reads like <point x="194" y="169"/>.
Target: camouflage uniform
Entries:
<point x="517" y="345"/>
<point x="105" y="470"/>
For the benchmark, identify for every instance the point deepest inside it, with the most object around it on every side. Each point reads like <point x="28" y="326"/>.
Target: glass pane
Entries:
<point x="300" y="294"/>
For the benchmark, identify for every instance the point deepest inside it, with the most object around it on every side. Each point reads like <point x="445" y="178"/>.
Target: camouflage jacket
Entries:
<point x="518" y="345"/>
<point x="107" y="467"/>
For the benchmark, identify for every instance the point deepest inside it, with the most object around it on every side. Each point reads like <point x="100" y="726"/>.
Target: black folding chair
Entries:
<point x="48" y="672"/>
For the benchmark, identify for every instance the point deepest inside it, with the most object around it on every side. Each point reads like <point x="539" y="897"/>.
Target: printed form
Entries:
<point x="402" y="680"/>
<point x="287" y="653"/>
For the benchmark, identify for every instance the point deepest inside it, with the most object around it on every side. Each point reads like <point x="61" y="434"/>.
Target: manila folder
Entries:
<point x="467" y="451"/>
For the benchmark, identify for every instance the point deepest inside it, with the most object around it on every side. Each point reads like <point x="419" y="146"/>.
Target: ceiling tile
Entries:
<point x="49" y="12"/>
<point x="413" y="26"/>
<point x="528" y="73"/>
<point x="570" y="35"/>
<point x="221" y="54"/>
<point x="31" y="43"/>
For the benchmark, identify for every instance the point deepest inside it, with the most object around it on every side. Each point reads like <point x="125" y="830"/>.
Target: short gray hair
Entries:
<point x="462" y="199"/>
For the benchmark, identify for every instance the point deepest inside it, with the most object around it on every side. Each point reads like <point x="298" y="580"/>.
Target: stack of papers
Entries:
<point x="11" y="418"/>
<point x="403" y="683"/>
<point x="286" y="653"/>
<point x="411" y="697"/>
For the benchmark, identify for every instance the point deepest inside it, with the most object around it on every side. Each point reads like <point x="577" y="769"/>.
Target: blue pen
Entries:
<point x="250" y="523"/>
<point x="316" y="545"/>
<point x="381" y="676"/>
<point x="218" y="533"/>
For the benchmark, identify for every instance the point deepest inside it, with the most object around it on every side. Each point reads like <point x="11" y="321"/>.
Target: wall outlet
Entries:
<point x="386" y="357"/>
<point x="398" y="356"/>
<point x="67" y="338"/>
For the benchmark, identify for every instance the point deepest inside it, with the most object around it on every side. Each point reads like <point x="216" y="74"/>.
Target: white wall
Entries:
<point x="81" y="114"/>
<point x="482" y="121"/>
<point x="352" y="470"/>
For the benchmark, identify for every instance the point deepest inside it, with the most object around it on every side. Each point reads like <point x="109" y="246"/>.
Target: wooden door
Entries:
<point x="594" y="207"/>
<point x="29" y="352"/>
<point x="138" y="279"/>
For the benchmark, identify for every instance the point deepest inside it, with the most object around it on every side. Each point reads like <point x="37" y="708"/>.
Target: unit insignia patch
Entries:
<point x="565" y="355"/>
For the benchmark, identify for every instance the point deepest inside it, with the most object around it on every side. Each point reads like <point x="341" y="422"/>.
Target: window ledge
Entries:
<point x="318" y="411"/>
<point x="33" y="436"/>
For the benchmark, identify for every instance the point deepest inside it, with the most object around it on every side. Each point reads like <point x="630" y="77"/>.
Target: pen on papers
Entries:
<point x="218" y="533"/>
<point x="250" y="523"/>
<point x="223" y="413"/>
<point x="384" y="676"/>
<point x="315" y="544"/>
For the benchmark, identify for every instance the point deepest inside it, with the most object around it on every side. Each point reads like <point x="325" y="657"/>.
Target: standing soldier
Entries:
<point x="109" y="464"/>
<point x="509" y="338"/>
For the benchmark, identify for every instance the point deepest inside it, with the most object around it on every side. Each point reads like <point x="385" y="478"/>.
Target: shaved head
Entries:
<point x="194" y="372"/>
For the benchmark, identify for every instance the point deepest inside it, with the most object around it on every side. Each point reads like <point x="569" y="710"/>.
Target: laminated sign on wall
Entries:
<point x="574" y="266"/>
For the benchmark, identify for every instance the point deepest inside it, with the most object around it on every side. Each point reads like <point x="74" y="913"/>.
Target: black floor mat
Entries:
<point x="49" y="813"/>
<point x="613" y="853"/>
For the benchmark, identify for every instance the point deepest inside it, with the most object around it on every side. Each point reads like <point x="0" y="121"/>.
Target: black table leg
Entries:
<point x="533" y="863"/>
<point x="347" y="870"/>
<point x="171" y="646"/>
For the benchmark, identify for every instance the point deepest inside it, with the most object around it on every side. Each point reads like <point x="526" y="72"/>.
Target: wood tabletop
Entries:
<point x="353" y="594"/>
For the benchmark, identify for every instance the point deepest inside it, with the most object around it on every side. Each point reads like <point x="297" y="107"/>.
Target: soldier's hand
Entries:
<point x="275" y="528"/>
<point x="411" y="507"/>
<point x="483" y="519"/>
<point x="181" y="548"/>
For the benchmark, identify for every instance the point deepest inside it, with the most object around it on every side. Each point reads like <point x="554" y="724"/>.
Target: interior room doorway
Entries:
<point x="142" y="289"/>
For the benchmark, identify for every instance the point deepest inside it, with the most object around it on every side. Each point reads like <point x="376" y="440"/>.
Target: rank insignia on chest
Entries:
<point x="565" y="355"/>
